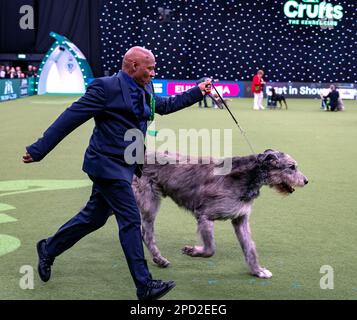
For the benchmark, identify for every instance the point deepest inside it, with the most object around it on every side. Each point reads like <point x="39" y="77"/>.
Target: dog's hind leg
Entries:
<point x="286" y="105"/>
<point x="242" y="230"/>
<point x="205" y="230"/>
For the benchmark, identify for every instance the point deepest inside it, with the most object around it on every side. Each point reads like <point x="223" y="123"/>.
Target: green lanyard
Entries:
<point x="152" y="107"/>
<point x="152" y="115"/>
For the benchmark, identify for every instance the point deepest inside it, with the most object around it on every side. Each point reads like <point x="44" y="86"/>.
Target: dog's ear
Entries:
<point x="269" y="151"/>
<point x="268" y="157"/>
<point x="242" y="166"/>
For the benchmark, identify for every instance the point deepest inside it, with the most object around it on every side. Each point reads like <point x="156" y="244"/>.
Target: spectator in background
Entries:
<point x="333" y="97"/>
<point x="257" y="89"/>
<point x="7" y="72"/>
<point x="18" y="72"/>
<point x="29" y="71"/>
<point x="324" y="101"/>
<point x="12" y="73"/>
<point x="2" y="72"/>
<point x="34" y="71"/>
<point x="204" y="102"/>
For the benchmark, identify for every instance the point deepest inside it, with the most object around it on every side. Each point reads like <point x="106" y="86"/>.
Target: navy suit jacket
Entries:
<point x="108" y="101"/>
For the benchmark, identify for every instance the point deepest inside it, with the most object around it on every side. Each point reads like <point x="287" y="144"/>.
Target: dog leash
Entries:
<point x="234" y="119"/>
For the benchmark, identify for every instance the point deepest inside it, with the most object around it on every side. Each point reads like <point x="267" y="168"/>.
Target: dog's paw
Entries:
<point x="189" y="250"/>
<point x="197" y="251"/>
<point x="161" y="262"/>
<point x="263" y="273"/>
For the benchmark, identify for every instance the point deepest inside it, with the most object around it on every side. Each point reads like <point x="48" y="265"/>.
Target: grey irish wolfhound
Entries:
<point x="211" y="197"/>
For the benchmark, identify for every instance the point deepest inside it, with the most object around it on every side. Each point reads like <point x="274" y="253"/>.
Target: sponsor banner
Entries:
<point x="243" y="89"/>
<point x="172" y="87"/>
<point x="15" y="88"/>
<point x="177" y="87"/>
<point x="348" y="93"/>
<point x="309" y="90"/>
<point x="9" y="89"/>
<point x="31" y="86"/>
<point x="160" y="87"/>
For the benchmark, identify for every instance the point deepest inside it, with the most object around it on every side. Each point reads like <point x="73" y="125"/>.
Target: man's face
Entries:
<point x="144" y="69"/>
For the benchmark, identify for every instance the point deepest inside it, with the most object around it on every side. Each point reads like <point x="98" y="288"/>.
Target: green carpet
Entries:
<point x="295" y="236"/>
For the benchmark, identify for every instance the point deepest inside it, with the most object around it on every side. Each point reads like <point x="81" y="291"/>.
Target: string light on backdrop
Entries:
<point x="231" y="40"/>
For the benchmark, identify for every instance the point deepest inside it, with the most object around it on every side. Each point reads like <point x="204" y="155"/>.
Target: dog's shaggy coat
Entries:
<point x="212" y="197"/>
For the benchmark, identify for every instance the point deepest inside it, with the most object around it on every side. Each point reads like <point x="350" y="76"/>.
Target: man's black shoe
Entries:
<point x="44" y="261"/>
<point x="155" y="289"/>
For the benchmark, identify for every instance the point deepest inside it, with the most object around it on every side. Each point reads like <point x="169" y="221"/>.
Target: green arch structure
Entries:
<point x="62" y="43"/>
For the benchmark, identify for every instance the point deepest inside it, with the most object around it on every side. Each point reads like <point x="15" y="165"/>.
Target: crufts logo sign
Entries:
<point x="8" y="88"/>
<point x="313" y="12"/>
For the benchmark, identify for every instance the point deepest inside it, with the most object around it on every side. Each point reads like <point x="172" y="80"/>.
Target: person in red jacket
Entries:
<point x="257" y="89"/>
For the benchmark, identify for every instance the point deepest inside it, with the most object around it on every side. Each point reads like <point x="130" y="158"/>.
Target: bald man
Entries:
<point x="118" y="103"/>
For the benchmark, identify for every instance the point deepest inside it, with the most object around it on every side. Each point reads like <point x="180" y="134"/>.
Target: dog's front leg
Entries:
<point x="205" y="230"/>
<point x="242" y="230"/>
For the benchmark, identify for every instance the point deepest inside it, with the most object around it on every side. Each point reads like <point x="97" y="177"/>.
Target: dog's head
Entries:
<point x="280" y="171"/>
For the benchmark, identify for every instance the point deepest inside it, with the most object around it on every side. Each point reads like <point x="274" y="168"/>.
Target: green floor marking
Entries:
<point x="25" y="186"/>
<point x="8" y="244"/>
<point x="6" y="218"/>
<point x="6" y="207"/>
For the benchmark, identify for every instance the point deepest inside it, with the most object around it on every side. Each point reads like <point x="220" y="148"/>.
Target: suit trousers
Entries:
<point x="108" y="197"/>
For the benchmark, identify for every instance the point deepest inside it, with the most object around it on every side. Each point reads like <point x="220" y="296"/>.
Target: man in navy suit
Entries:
<point x="119" y="103"/>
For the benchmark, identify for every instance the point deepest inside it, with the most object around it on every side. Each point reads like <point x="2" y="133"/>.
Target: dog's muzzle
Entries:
<point x="288" y="188"/>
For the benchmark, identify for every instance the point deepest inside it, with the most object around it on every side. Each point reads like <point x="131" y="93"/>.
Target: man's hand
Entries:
<point x="27" y="158"/>
<point x="206" y="86"/>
